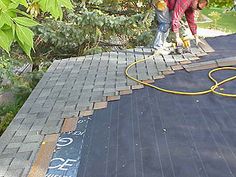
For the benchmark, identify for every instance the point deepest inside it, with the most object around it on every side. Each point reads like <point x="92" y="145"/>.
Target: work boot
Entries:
<point x="168" y="44"/>
<point x="161" y="51"/>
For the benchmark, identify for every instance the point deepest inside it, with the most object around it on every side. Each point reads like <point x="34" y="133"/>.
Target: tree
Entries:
<point x="90" y="27"/>
<point x="15" y="23"/>
<point x="95" y="26"/>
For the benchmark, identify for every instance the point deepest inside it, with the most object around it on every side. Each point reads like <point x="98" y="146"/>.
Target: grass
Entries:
<point x="226" y="23"/>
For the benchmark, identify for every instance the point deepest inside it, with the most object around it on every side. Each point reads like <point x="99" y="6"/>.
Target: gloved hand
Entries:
<point x="179" y="41"/>
<point x="198" y="41"/>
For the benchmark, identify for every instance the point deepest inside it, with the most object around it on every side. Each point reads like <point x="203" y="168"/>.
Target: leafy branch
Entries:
<point x="15" y="23"/>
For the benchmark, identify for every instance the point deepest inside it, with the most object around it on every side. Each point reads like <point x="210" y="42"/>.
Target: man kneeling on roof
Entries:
<point x="169" y="13"/>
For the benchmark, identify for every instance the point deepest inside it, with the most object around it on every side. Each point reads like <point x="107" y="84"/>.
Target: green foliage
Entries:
<point x="93" y="23"/>
<point x="220" y="3"/>
<point x="6" y="119"/>
<point x="7" y="66"/>
<point x="15" y="23"/>
<point x="87" y="30"/>
<point x="13" y="27"/>
<point x="54" y="6"/>
<point x="216" y="16"/>
<point x="8" y="112"/>
<point x="30" y="80"/>
<point x="21" y="91"/>
<point x="226" y="23"/>
<point x="144" y="39"/>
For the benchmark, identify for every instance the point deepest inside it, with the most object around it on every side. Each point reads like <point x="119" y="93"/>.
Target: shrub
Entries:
<point x="21" y="91"/>
<point x="5" y="121"/>
<point x="215" y="16"/>
<point x="87" y="31"/>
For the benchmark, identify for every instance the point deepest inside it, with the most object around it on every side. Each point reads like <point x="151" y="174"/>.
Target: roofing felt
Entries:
<point x="150" y="133"/>
<point x="82" y="85"/>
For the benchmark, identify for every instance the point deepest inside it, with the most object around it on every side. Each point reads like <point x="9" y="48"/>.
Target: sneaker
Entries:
<point x="168" y="44"/>
<point x="161" y="51"/>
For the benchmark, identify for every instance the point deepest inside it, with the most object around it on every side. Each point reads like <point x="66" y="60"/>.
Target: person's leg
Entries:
<point x="166" y="34"/>
<point x="158" y="42"/>
<point x="163" y="18"/>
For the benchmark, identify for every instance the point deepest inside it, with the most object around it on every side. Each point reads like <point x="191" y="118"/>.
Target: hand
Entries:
<point x="198" y="41"/>
<point x="179" y="41"/>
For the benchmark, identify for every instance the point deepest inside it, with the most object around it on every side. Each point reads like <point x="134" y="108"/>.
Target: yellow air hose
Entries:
<point x="212" y="89"/>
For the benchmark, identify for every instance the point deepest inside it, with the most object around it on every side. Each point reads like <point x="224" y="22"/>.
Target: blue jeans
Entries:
<point x="164" y="23"/>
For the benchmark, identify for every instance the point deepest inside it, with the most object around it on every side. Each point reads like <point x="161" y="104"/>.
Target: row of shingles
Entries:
<point x="152" y="69"/>
<point x="206" y="47"/>
<point x="115" y="74"/>
<point x="109" y="69"/>
<point x="122" y="81"/>
<point x="142" y="73"/>
<point x="97" y="66"/>
<point x="168" y="63"/>
<point x="157" y="65"/>
<point x="84" y="84"/>
<point x="110" y="78"/>
<point x="22" y="138"/>
<point x="96" y="84"/>
<point x="189" y="57"/>
<point x="111" y="72"/>
<point x="133" y="70"/>
<point x="98" y="99"/>
<point x="198" y="51"/>
<point x="202" y="50"/>
<point x="73" y="88"/>
<point x="231" y="61"/>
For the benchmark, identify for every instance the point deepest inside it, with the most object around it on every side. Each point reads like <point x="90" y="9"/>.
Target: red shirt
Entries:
<point x="181" y="7"/>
